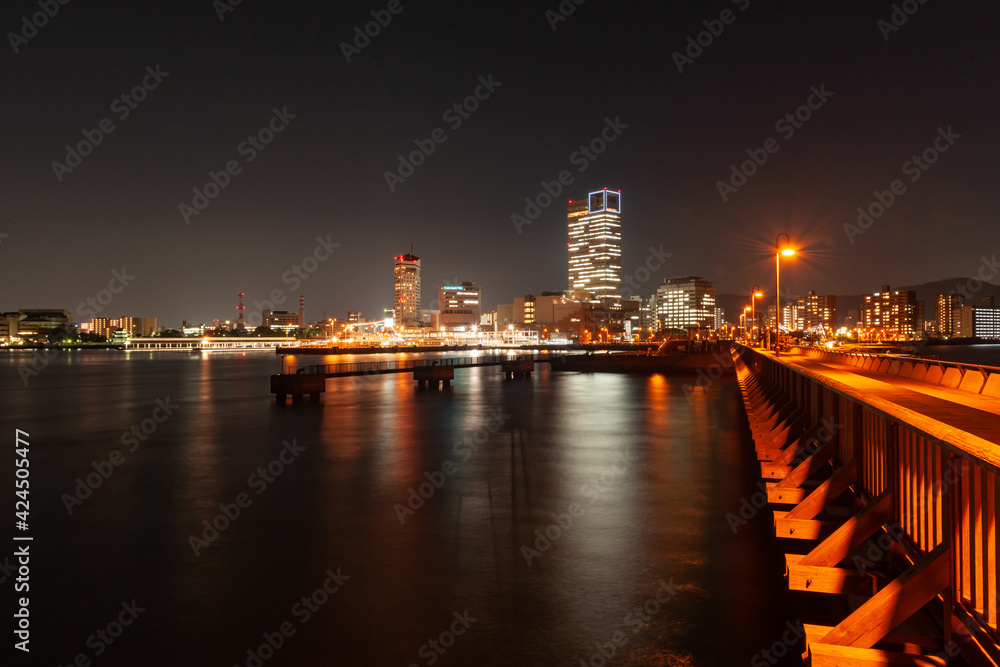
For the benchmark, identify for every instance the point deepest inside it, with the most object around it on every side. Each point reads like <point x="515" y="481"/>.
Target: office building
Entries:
<point x="595" y="246"/>
<point x="43" y="322"/>
<point x="979" y="322"/>
<point x="459" y="306"/>
<point x="407" y="290"/>
<point x="281" y="320"/>
<point x="686" y="303"/>
<point x="8" y="327"/>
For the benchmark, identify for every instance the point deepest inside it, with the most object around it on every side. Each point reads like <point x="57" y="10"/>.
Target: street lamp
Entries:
<point x="746" y="328"/>
<point x="779" y="250"/>
<point x="754" y="293"/>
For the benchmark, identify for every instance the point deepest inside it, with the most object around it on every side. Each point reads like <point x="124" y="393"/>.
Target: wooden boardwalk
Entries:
<point x="886" y="471"/>
<point x="933" y="406"/>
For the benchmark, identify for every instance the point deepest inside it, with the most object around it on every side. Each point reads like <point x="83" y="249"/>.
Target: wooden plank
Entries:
<point x="826" y="492"/>
<point x="825" y="655"/>
<point x="799" y="446"/>
<point x="810" y="465"/>
<point x="837" y="580"/>
<point x="979" y="553"/>
<point x="895" y="603"/>
<point x="851" y="534"/>
<point x="803" y="529"/>
<point x="771" y="471"/>
<point x="779" y="496"/>
<point x="817" y="632"/>
<point x="991" y="547"/>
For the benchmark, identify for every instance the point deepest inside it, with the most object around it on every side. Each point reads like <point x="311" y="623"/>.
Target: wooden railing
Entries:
<point x="937" y="482"/>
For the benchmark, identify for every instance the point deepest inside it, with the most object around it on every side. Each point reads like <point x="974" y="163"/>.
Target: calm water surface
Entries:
<point x="639" y="474"/>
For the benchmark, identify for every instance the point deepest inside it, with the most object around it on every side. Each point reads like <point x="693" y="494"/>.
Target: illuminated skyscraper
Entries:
<point x="686" y="303"/>
<point x="892" y="314"/>
<point x="595" y="245"/>
<point x="949" y="309"/>
<point x="407" y="289"/>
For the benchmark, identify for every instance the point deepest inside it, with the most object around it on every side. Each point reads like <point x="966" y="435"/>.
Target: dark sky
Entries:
<point x="323" y="174"/>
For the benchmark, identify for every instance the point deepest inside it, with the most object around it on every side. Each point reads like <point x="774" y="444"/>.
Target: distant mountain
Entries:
<point x="926" y="292"/>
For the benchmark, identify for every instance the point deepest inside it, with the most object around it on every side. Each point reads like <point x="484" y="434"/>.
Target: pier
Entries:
<point x="882" y="475"/>
<point x="298" y="380"/>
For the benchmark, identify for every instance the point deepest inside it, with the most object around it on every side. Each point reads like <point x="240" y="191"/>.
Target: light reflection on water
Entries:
<point x="646" y="476"/>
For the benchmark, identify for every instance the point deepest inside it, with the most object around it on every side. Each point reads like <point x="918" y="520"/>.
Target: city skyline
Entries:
<point x="869" y="149"/>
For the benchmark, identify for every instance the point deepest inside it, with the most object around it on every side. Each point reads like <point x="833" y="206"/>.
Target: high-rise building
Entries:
<point x="459" y="306"/>
<point x="595" y="245"/>
<point x="949" y="313"/>
<point x="892" y="314"/>
<point x="813" y="310"/>
<point x="719" y="320"/>
<point x="407" y="290"/>
<point x="686" y="303"/>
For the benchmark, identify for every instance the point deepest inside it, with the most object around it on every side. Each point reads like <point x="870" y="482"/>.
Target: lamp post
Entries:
<point x="778" y="252"/>
<point x="754" y="293"/>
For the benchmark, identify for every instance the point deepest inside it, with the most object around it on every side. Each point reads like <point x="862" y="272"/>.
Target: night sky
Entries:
<point x="344" y="124"/>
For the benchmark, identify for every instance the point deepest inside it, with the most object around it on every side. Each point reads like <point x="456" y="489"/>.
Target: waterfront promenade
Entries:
<point x="886" y="468"/>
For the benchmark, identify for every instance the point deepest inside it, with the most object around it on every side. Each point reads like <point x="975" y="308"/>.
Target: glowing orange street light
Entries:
<point x="779" y="250"/>
<point x="754" y="293"/>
